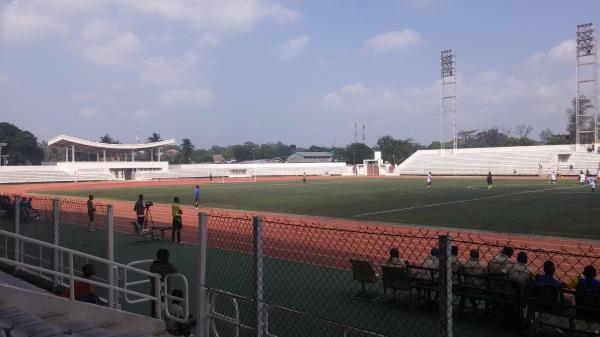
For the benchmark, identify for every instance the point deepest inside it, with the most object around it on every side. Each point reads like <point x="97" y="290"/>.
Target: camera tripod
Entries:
<point x="148" y="218"/>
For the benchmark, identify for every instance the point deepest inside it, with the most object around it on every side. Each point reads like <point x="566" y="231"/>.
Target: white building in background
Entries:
<point x="116" y="159"/>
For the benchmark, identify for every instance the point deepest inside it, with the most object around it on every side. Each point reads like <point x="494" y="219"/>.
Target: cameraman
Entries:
<point x="139" y="211"/>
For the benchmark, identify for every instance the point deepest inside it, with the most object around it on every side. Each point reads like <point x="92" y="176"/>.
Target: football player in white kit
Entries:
<point x="429" y="180"/>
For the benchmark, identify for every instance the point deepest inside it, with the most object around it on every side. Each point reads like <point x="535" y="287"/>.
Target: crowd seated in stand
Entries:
<point x="505" y="286"/>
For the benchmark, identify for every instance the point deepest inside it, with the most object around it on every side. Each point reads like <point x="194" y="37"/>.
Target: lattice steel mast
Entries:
<point x="449" y="105"/>
<point x="586" y="97"/>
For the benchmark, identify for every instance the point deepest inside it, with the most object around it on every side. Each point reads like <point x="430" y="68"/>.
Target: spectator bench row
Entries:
<point x="530" y="304"/>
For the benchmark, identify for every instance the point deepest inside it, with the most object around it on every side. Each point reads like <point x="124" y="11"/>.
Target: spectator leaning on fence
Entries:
<point x="394" y="259"/>
<point x="163" y="267"/>
<point x="502" y="263"/>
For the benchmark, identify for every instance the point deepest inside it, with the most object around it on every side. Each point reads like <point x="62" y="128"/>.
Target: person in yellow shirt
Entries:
<point x="177" y="222"/>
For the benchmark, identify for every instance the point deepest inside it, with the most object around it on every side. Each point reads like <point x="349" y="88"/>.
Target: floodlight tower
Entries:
<point x="586" y="97"/>
<point x="449" y="104"/>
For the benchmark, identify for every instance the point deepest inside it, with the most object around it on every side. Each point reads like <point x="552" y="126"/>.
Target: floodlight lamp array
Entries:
<point x="447" y="63"/>
<point x="586" y="39"/>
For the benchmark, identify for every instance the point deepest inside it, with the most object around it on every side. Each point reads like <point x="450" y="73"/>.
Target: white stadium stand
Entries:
<point x="517" y="160"/>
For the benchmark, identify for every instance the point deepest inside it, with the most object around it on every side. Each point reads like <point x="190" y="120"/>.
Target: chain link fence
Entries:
<point x="62" y="222"/>
<point x="278" y="277"/>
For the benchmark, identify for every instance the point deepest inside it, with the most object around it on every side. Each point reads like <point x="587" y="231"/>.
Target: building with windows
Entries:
<point x="310" y="157"/>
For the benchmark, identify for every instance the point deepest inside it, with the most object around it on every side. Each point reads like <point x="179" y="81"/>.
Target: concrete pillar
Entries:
<point x="132" y="156"/>
<point x="66" y="154"/>
<point x="104" y="155"/>
<point x="151" y="155"/>
<point x="158" y="153"/>
<point x="73" y="152"/>
<point x="97" y="156"/>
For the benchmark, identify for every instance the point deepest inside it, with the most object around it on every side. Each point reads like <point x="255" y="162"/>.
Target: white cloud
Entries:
<point x="487" y="76"/>
<point x="186" y="98"/>
<point x="293" y="47"/>
<point x="391" y="41"/>
<point x="88" y="113"/>
<point x="20" y="23"/>
<point x="163" y="72"/>
<point x="104" y="44"/>
<point x="564" y="53"/>
<point x="414" y="111"/>
<point x="4" y="78"/>
<point x="222" y="16"/>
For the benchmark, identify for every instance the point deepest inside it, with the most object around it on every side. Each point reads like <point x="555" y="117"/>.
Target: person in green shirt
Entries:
<point x="177" y="222"/>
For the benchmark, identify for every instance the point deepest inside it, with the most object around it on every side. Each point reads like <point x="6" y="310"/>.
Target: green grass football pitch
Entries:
<point x="530" y="206"/>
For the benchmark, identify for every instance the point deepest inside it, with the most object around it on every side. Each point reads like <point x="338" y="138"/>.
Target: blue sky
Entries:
<point x="302" y="72"/>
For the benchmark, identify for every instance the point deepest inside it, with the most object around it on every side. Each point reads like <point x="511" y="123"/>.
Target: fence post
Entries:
<point x="110" y="243"/>
<point x="202" y="299"/>
<point x="257" y="256"/>
<point x="57" y="260"/>
<point x="445" y="298"/>
<point x="17" y="231"/>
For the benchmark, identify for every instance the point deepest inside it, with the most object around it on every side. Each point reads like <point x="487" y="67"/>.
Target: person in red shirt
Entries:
<point x="83" y="290"/>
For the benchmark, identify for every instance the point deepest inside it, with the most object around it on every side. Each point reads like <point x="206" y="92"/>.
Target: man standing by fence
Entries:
<point x="91" y="212"/>
<point x="197" y="196"/>
<point x="177" y="221"/>
<point x="139" y="211"/>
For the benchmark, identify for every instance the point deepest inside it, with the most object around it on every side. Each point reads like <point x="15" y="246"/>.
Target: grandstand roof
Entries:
<point x="89" y="145"/>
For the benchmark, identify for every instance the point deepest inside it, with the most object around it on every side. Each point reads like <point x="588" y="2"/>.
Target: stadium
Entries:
<point x="449" y="241"/>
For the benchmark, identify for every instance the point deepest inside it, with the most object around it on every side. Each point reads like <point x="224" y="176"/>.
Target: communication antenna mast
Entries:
<point x="355" y="133"/>
<point x="449" y="116"/>
<point x="137" y="135"/>
<point x="363" y="134"/>
<point x="586" y="97"/>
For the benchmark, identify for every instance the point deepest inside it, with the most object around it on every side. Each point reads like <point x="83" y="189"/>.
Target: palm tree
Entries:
<point x="186" y="150"/>
<point x="154" y="138"/>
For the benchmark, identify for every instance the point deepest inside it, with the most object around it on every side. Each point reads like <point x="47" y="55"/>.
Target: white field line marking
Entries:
<point x="461" y="201"/>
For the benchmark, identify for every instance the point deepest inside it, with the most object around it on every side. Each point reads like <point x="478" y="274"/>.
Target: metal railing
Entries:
<point x="112" y="285"/>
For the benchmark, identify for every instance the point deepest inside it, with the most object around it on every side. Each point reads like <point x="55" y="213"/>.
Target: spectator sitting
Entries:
<point x="29" y="203"/>
<point x="175" y="310"/>
<point x="520" y="273"/>
<point x="162" y="267"/>
<point x="83" y="290"/>
<point x="431" y="262"/>
<point x="548" y="277"/>
<point x="501" y="263"/>
<point x="588" y="283"/>
<point x="473" y="270"/>
<point x="455" y="263"/>
<point x="394" y="259"/>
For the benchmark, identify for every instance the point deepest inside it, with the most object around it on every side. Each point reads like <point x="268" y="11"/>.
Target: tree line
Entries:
<point x="23" y="147"/>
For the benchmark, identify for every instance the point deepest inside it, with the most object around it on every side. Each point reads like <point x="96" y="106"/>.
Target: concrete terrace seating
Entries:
<point x="17" y="174"/>
<point x="26" y="313"/>
<point x="247" y="170"/>
<point x="16" y="322"/>
<point x="518" y="160"/>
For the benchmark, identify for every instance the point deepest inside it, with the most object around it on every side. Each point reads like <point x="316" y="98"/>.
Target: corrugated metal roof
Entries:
<point x="319" y="154"/>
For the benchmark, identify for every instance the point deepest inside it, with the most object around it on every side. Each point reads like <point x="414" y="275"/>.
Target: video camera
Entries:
<point x="148" y="204"/>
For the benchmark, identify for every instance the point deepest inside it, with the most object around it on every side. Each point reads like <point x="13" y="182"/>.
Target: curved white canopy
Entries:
<point x="93" y="146"/>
